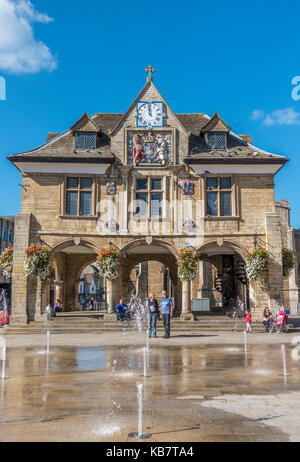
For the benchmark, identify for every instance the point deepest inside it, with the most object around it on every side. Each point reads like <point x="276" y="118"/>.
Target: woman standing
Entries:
<point x="152" y="315"/>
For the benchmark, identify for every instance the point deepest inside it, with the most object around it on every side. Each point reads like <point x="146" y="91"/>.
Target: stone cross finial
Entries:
<point x="151" y="71"/>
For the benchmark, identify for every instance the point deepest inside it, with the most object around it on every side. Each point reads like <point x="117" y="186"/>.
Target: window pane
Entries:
<point x="141" y="205"/>
<point x="72" y="183"/>
<point x="141" y="184"/>
<point x="85" y="203"/>
<point x="212" y="183"/>
<point x="212" y="204"/>
<point x="156" y="206"/>
<point x="225" y="183"/>
<point x="216" y="140"/>
<point x="72" y="203"/>
<point x="156" y="185"/>
<point x="90" y="140"/>
<point x="225" y="204"/>
<point x="86" y="183"/>
<point x="79" y="137"/>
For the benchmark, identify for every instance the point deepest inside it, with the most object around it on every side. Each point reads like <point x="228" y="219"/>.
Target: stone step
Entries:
<point x="53" y="330"/>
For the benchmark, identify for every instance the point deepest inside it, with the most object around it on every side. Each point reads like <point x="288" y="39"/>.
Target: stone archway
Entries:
<point x="139" y="251"/>
<point x="69" y="257"/>
<point x="222" y="276"/>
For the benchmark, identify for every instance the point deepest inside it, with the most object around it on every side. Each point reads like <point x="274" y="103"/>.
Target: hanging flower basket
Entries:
<point x="187" y="263"/>
<point x="6" y="262"/>
<point x="37" y="262"/>
<point x="108" y="262"/>
<point x="257" y="262"/>
<point x="288" y="261"/>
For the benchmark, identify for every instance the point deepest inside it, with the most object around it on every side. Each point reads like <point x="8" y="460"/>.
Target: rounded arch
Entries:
<point x="84" y="265"/>
<point x="72" y="243"/>
<point x="143" y="242"/>
<point x="236" y="247"/>
<point x="142" y="250"/>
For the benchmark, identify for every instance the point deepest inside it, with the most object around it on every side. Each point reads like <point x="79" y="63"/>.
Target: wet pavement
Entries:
<point x="193" y="392"/>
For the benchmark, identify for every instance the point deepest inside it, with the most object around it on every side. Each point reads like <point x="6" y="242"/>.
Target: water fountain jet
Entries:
<point x="139" y="434"/>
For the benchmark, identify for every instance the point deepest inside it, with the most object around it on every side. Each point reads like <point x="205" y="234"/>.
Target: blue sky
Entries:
<point x="232" y="57"/>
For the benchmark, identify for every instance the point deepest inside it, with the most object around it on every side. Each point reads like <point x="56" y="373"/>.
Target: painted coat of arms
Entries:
<point x="149" y="149"/>
<point x="111" y="189"/>
<point x="188" y="225"/>
<point x="188" y="187"/>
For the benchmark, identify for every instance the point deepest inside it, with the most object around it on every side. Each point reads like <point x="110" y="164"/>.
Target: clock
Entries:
<point x="150" y="114"/>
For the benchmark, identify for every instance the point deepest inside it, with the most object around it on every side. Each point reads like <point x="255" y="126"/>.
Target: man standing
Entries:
<point x="166" y="310"/>
<point x="152" y="315"/>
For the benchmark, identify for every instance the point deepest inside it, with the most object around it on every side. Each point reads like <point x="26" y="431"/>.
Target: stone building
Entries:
<point x="151" y="182"/>
<point x="6" y="240"/>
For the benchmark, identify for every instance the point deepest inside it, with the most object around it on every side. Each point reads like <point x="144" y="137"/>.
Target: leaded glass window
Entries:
<point x="156" y="206"/>
<point x="149" y="191"/>
<point x="218" y="196"/>
<point x="216" y="140"/>
<point x="141" y="206"/>
<point x="212" y="204"/>
<point x="85" y="140"/>
<point x="72" y="197"/>
<point x="79" y="196"/>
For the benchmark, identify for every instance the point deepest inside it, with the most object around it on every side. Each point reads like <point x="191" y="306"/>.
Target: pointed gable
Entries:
<point x="148" y="93"/>
<point x="216" y="124"/>
<point x="85" y="123"/>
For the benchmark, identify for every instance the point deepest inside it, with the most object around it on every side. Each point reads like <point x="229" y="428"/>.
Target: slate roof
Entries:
<point x="61" y="147"/>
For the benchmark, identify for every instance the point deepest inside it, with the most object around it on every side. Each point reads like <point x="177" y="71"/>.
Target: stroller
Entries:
<point x="280" y="323"/>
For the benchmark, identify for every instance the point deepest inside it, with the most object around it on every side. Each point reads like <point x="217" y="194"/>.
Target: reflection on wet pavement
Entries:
<point x="203" y="393"/>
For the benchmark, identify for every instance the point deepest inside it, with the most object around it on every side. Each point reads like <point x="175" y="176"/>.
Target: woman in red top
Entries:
<point x="248" y="322"/>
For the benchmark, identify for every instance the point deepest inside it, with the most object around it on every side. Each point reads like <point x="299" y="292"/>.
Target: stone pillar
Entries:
<point x="110" y="298"/>
<point x="40" y="300"/>
<point x="274" y="286"/>
<point x="186" y="313"/>
<point x="293" y="282"/>
<point x="19" y="306"/>
<point x="58" y="291"/>
<point x="202" y="287"/>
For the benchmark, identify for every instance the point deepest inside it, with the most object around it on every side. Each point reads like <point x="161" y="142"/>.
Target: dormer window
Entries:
<point x="216" y="140"/>
<point x="85" y="140"/>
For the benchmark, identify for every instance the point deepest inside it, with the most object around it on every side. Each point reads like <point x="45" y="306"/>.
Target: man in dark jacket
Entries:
<point x="152" y="315"/>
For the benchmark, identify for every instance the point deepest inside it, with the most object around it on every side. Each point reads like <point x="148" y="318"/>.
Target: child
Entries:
<point x="248" y="322"/>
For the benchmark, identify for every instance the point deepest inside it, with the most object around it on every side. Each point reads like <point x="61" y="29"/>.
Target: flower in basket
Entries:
<point x="6" y="262"/>
<point x="257" y="262"/>
<point x="108" y="262"/>
<point x="288" y="261"/>
<point x="187" y="263"/>
<point x="37" y="262"/>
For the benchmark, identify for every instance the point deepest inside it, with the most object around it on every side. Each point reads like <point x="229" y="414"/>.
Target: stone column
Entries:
<point x="186" y="314"/>
<point x="59" y="287"/>
<point x="40" y="299"/>
<point x="110" y="298"/>
<point x="275" y="278"/>
<point x="293" y="283"/>
<point x="202" y="287"/>
<point x="19" y="306"/>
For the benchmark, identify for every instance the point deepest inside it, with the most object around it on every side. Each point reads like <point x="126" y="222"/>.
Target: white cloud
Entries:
<point x="257" y="114"/>
<point x="286" y="116"/>
<point x="20" y="52"/>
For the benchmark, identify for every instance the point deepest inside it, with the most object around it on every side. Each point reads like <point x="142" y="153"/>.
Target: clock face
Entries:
<point x="150" y="114"/>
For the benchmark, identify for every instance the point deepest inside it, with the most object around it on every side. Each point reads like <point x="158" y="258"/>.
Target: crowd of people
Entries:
<point x="163" y="310"/>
